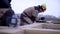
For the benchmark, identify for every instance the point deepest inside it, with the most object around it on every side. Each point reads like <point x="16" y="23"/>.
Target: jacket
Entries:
<point x="29" y="15"/>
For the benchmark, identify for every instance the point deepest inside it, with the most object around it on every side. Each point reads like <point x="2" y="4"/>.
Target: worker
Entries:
<point x="5" y="11"/>
<point x="29" y="15"/>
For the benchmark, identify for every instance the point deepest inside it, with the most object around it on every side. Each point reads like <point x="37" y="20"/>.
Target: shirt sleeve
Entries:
<point x="34" y="14"/>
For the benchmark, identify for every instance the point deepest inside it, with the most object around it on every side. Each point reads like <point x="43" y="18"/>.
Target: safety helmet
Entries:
<point x="44" y="6"/>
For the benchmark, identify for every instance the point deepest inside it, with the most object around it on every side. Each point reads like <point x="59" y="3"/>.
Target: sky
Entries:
<point x="52" y="6"/>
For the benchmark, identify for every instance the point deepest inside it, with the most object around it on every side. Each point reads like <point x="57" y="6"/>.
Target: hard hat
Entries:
<point x="44" y="6"/>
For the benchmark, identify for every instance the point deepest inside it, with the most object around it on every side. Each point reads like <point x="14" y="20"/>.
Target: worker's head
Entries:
<point x="42" y="8"/>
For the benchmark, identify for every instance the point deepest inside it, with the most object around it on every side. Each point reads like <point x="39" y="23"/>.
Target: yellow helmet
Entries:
<point x="44" y="6"/>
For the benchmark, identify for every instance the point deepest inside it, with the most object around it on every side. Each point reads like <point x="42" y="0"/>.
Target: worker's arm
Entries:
<point x="34" y="15"/>
<point x="37" y="19"/>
